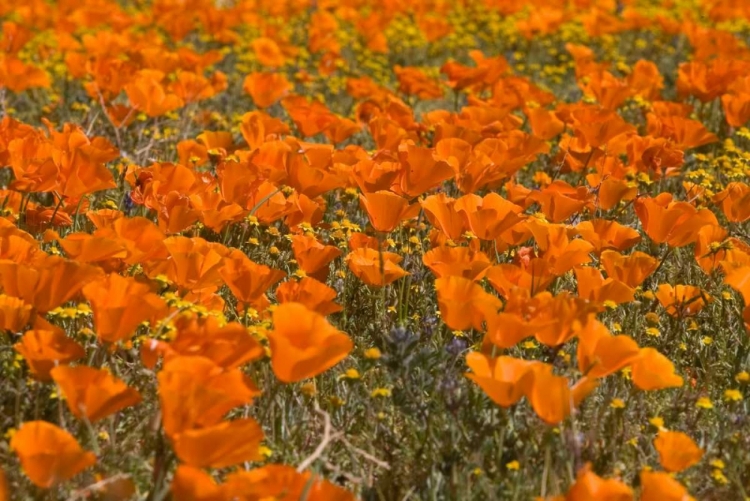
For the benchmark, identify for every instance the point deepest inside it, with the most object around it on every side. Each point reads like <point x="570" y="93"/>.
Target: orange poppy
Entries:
<point x="661" y="486"/>
<point x="442" y="213"/>
<point x="504" y="379"/>
<point x="594" y="287"/>
<point x="421" y="170"/>
<point x="673" y="223"/>
<point x="653" y="371"/>
<point x="194" y="264"/>
<point x="734" y="201"/>
<point x="386" y="210"/>
<point x="282" y="483"/>
<point x="14" y="313"/>
<point x="120" y="304"/>
<point x="490" y="216"/>
<point x="228" y="346"/>
<point x="601" y="354"/>
<point x="266" y="88"/>
<point x="224" y="444"/>
<point x="313" y="256"/>
<point x="606" y="234"/>
<point x="93" y="394"/>
<point x="303" y="344"/>
<point x="49" y="455"/>
<point x="195" y="392"/>
<point x="375" y="268"/>
<point x="457" y="261"/>
<point x="247" y="280"/>
<point x="464" y="304"/>
<point x="45" y="349"/>
<point x="631" y="270"/>
<point x="682" y="300"/>
<point x="193" y="484"/>
<point x="677" y="451"/>
<point x="599" y="126"/>
<point x="589" y="487"/>
<point x="314" y="295"/>
<point x="268" y="52"/>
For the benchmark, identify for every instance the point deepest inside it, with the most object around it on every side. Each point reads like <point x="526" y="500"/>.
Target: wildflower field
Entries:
<point x="375" y="249"/>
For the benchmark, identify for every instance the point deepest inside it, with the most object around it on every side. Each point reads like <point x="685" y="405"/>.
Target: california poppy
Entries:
<point x="49" y="455"/>
<point x="673" y="223"/>
<point x="193" y="484"/>
<point x="313" y="256"/>
<point x="661" y="486"/>
<point x="247" y="280"/>
<point x="283" y="483"/>
<point x="600" y="353"/>
<point x="488" y="217"/>
<point x="653" y="371"/>
<point x="386" y="210"/>
<point x="504" y="379"/>
<point x="375" y="268"/>
<point x="45" y="349"/>
<point x="464" y="304"/>
<point x="14" y="313"/>
<point x="120" y="304"/>
<point x="632" y="269"/>
<point x="304" y="344"/>
<point x="734" y="201"/>
<point x="315" y="295"/>
<point x="93" y="394"/>
<point x="266" y="88"/>
<point x="195" y="392"/>
<point x="456" y="261"/>
<point x="224" y="444"/>
<point x="589" y="486"/>
<point x="606" y="234"/>
<point x="682" y="300"/>
<point x="677" y="451"/>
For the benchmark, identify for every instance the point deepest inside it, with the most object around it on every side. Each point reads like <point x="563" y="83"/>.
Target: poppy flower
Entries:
<point x="193" y="484"/>
<point x="313" y="256"/>
<point x="49" y="455"/>
<point x="247" y="280"/>
<point x="268" y="52"/>
<point x="303" y="344"/>
<point x="606" y="234"/>
<point x="386" y="210"/>
<point x="677" y="451"/>
<point x="682" y="300"/>
<point x="589" y="486"/>
<point x="283" y="483"/>
<point x="631" y="270"/>
<point x="14" y="313"/>
<point x="653" y="371"/>
<point x="375" y="268"/>
<point x="598" y="127"/>
<point x="593" y="286"/>
<point x="456" y="261"/>
<point x="673" y="223"/>
<point x="93" y="394"/>
<point x="315" y="295"/>
<point x="228" y="345"/>
<point x="734" y="201"/>
<point x="661" y="486"/>
<point x="488" y="217"/>
<point x="266" y="88"/>
<point x="464" y="304"/>
<point x="120" y="304"/>
<point x="421" y="170"/>
<point x="533" y="277"/>
<point x="504" y="379"/>
<point x="195" y="392"/>
<point x="600" y="353"/>
<point x="442" y="213"/>
<point x="45" y="349"/>
<point x="194" y="264"/>
<point x="227" y="443"/>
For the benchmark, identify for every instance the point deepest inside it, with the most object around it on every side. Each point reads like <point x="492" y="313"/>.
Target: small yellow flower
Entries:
<point x="707" y="340"/>
<point x="335" y="401"/>
<point x="726" y="295"/>
<point x="653" y="332"/>
<point x="380" y="392"/>
<point x="742" y="377"/>
<point x="264" y="451"/>
<point x="253" y="241"/>
<point x="308" y="389"/>
<point x="477" y="472"/>
<point x="300" y="273"/>
<point x="717" y="463"/>
<point x="274" y="251"/>
<point x="350" y="374"/>
<point x="633" y="441"/>
<point x="103" y="435"/>
<point x="657" y="422"/>
<point x="513" y="465"/>
<point x="732" y="395"/>
<point x="719" y="477"/>
<point x="617" y="403"/>
<point x="372" y="353"/>
<point x="704" y="403"/>
<point x="529" y="345"/>
<point x="649" y="295"/>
